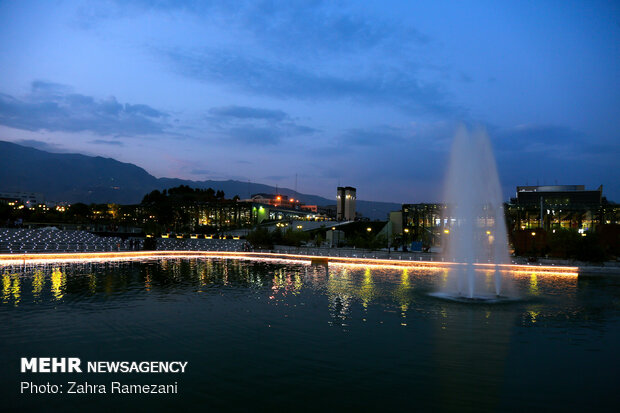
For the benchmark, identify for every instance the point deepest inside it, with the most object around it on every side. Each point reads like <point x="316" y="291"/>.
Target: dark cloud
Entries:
<point x="54" y="107"/>
<point x="386" y="85"/>
<point x="255" y="126"/>
<point x="105" y="142"/>
<point x="245" y="112"/>
<point x="49" y="88"/>
<point x="553" y="141"/>
<point x="294" y="44"/>
<point x="299" y="27"/>
<point x="311" y="27"/>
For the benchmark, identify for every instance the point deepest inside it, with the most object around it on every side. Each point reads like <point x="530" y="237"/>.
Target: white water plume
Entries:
<point x="476" y="227"/>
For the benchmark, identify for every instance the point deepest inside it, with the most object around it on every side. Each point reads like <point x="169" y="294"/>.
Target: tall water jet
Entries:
<point x="475" y="229"/>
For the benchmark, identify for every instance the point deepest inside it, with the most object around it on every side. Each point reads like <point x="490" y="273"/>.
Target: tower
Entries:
<point x="345" y="203"/>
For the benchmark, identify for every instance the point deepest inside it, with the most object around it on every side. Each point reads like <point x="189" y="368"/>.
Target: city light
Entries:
<point x="12" y="259"/>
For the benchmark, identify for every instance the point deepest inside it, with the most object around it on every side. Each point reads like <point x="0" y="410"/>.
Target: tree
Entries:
<point x="318" y="240"/>
<point x="260" y="238"/>
<point x="295" y="238"/>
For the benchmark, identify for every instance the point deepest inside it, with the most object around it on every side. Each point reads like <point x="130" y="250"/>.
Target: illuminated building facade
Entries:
<point x="424" y="223"/>
<point x="560" y="206"/>
<point x="345" y="203"/>
<point x="279" y="200"/>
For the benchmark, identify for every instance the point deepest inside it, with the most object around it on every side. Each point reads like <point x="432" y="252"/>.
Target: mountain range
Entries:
<point x="93" y="179"/>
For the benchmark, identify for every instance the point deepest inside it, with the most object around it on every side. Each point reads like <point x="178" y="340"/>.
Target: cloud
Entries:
<point x="296" y="27"/>
<point x="199" y="171"/>
<point x="386" y="85"/>
<point x="296" y="50"/>
<point x="552" y="141"/>
<point x="245" y="112"/>
<point x="304" y="27"/>
<point x="37" y="144"/>
<point x="255" y="126"/>
<point x="255" y="135"/>
<point x="53" y="107"/>
<point x="432" y="136"/>
<point x="105" y="142"/>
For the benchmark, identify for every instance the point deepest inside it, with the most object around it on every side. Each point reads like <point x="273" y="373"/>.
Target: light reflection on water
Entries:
<point x="246" y="326"/>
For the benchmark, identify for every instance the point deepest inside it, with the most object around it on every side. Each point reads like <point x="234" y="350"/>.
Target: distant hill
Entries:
<point x="94" y="179"/>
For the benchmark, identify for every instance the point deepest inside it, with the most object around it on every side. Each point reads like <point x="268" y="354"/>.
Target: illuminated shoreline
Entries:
<point x="46" y="258"/>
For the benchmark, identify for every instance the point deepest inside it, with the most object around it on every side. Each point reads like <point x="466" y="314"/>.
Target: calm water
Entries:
<point x="262" y="336"/>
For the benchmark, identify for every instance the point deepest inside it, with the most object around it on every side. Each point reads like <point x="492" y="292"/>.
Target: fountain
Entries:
<point x="475" y="228"/>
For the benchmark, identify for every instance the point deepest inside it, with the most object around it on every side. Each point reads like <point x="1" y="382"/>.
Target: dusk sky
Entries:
<point x="366" y="94"/>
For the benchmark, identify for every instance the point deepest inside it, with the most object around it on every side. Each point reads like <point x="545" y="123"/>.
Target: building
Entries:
<point x="560" y="206"/>
<point x="328" y="211"/>
<point x="345" y="203"/>
<point x="423" y="222"/>
<point x="29" y="199"/>
<point x="279" y="200"/>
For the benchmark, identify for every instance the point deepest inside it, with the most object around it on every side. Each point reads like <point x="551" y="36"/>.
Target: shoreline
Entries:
<point x="47" y="258"/>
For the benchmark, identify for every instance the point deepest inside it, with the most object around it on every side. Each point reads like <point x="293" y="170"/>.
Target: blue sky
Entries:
<point x="367" y="94"/>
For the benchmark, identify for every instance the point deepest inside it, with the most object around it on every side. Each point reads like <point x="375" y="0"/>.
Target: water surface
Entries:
<point x="276" y="336"/>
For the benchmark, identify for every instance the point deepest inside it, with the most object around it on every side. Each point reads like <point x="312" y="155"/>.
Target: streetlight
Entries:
<point x="368" y="229"/>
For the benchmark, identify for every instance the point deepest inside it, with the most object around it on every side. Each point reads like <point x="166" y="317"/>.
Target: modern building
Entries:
<point x="560" y="206"/>
<point x="244" y="214"/>
<point x="345" y="201"/>
<point x="423" y="222"/>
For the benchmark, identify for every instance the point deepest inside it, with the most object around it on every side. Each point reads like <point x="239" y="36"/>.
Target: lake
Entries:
<point x="260" y="335"/>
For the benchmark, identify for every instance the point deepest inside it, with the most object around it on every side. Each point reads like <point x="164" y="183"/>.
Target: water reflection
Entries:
<point x="534" y="284"/>
<point x="58" y="282"/>
<point x="402" y="295"/>
<point x="367" y="331"/>
<point x="11" y="288"/>
<point x="38" y="281"/>
<point x="470" y="351"/>
<point x="350" y="291"/>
